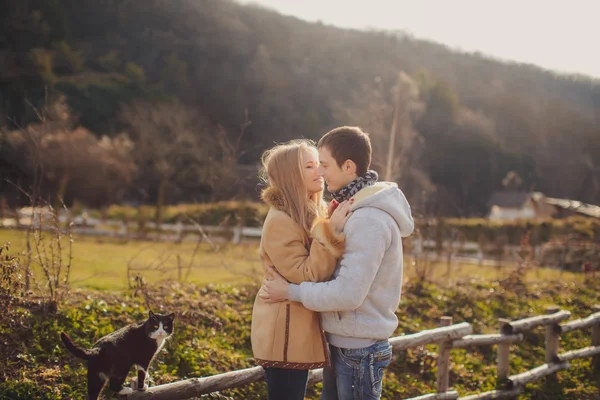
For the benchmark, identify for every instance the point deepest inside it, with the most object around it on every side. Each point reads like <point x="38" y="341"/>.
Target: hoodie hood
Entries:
<point x="387" y="197"/>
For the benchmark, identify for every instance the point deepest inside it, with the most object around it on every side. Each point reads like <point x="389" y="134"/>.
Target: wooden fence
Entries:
<point x="447" y="337"/>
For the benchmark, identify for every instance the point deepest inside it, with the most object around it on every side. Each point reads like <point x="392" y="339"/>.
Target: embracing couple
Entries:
<point x="333" y="274"/>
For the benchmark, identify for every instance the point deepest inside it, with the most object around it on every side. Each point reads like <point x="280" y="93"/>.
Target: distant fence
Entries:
<point x="550" y="254"/>
<point x="447" y="337"/>
<point x="115" y="228"/>
<point x="236" y="234"/>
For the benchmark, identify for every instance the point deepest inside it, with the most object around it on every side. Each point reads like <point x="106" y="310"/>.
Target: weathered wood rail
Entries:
<point x="446" y="337"/>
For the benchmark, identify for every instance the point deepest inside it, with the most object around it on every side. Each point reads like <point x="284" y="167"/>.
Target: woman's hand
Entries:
<point x="340" y="215"/>
<point x="333" y="204"/>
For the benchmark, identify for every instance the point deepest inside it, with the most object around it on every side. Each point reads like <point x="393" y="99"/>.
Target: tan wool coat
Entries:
<point x="287" y="335"/>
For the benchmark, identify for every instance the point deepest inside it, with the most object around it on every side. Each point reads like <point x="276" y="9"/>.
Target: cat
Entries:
<point x="111" y="357"/>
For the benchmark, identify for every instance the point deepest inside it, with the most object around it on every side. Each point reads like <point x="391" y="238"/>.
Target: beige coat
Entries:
<point x="287" y="335"/>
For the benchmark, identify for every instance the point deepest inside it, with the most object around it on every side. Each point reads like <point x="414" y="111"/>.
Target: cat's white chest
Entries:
<point x="160" y="341"/>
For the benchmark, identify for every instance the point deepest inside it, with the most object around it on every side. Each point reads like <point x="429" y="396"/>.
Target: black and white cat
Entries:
<point x="111" y="357"/>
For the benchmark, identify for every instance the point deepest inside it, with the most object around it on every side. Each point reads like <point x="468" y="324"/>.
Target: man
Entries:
<point x="358" y="305"/>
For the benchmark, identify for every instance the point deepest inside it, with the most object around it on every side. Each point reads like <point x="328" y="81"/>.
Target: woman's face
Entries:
<point x="310" y="164"/>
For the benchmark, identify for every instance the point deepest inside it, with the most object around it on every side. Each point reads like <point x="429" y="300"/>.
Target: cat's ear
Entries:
<point x="171" y="316"/>
<point x="151" y="315"/>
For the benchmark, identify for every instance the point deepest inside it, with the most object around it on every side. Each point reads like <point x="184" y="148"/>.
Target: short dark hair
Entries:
<point x="348" y="143"/>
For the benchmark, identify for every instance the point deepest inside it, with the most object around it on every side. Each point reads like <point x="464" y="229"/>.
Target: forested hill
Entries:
<point x="465" y="120"/>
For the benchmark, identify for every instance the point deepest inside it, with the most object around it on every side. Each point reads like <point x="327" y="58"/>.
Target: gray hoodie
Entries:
<point x="358" y="304"/>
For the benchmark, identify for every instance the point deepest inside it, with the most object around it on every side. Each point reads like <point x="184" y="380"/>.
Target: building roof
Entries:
<point x="513" y="199"/>
<point x="577" y="206"/>
<point x="509" y="199"/>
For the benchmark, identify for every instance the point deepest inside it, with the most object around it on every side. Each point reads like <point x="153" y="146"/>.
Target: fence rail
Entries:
<point x="452" y="250"/>
<point x="447" y="337"/>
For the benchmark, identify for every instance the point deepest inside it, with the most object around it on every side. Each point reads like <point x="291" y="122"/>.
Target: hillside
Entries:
<point x="469" y="119"/>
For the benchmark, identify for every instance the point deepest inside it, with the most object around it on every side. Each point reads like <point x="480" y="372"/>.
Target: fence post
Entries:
<point x="178" y="231"/>
<point x="443" y="360"/>
<point x="237" y="234"/>
<point x="596" y="340"/>
<point x="503" y="356"/>
<point x="551" y="337"/>
<point x="179" y="272"/>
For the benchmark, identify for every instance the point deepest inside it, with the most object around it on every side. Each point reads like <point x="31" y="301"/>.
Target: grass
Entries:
<point x="214" y="315"/>
<point x="438" y="273"/>
<point x="101" y="263"/>
<point x="212" y="332"/>
<point x="212" y="335"/>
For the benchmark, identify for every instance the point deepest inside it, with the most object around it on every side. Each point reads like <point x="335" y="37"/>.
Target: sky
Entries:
<point x="559" y="35"/>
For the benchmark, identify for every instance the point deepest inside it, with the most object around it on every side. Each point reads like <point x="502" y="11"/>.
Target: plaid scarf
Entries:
<point x="355" y="186"/>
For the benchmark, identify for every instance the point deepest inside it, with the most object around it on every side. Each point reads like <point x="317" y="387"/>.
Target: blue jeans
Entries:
<point x="356" y="374"/>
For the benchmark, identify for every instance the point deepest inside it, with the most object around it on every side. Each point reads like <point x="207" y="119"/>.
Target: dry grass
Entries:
<point x="100" y="263"/>
<point x="461" y="271"/>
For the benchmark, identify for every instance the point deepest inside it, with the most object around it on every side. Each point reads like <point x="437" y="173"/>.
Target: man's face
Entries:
<point x="335" y="177"/>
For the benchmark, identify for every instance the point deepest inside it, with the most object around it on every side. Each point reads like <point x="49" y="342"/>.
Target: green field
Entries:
<point x="101" y="263"/>
<point x="214" y="311"/>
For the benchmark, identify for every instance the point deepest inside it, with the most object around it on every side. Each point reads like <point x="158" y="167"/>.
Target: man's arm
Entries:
<point x="367" y="239"/>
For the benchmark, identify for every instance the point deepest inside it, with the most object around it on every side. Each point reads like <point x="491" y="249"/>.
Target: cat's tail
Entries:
<point x="76" y="350"/>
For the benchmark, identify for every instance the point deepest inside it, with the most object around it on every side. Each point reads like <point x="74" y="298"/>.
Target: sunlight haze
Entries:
<point x="557" y="35"/>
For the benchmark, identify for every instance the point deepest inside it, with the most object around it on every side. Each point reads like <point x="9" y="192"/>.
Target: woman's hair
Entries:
<point x="282" y="170"/>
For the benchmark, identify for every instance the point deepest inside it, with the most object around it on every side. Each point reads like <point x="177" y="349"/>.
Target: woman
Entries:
<point x="302" y="245"/>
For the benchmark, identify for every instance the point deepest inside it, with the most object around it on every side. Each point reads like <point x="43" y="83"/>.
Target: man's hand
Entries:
<point x="275" y="288"/>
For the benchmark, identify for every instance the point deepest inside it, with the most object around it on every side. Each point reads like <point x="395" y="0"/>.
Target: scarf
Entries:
<point x="368" y="179"/>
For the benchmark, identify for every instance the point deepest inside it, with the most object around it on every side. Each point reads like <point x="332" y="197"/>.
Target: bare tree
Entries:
<point x="112" y="167"/>
<point x="225" y="173"/>
<point x="172" y="141"/>
<point x="62" y="154"/>
<point x="405" y="95"/>
<point x="388" y="116"/>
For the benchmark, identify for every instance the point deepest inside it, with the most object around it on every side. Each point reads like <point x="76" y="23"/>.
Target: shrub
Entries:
<point x="135" y="73"/>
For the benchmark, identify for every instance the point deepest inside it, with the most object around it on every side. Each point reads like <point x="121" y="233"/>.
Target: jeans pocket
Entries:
<point x="377" y="363"/>
<point x="351" y="360"/>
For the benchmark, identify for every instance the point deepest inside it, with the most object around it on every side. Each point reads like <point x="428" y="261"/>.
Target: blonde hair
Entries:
<point x="282" y="170"/>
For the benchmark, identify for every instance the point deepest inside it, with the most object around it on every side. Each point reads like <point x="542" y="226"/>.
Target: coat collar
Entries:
<point x="273" y="197"/>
